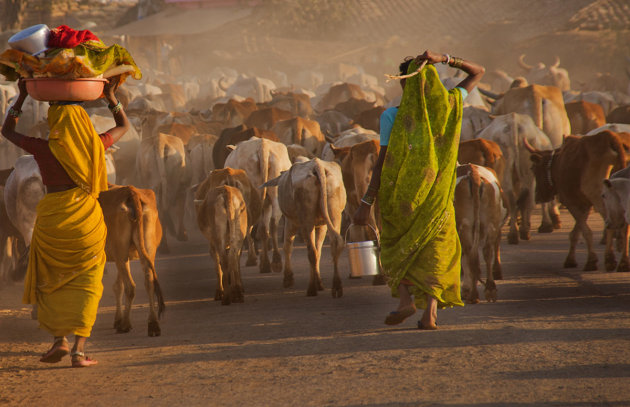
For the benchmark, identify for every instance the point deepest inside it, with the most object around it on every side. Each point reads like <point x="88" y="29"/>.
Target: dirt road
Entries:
<point x="556" y="337"/>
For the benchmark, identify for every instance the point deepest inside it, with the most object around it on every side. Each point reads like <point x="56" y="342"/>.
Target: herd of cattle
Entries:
<point x="242" y="156"/>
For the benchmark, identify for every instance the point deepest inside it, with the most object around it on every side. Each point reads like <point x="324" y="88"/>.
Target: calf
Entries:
<point x="312" y="198"/>
<point x="480" y="213"/>
<point x="482" y="152"/>
<point x="222" y="218"/>
<point x="616" y="198"/>
<point x="133" y="232"/>
<point x="574" y="172"/>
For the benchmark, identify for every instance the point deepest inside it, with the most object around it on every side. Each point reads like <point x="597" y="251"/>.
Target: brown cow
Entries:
<point x="620" y="114"/>
<point x="574" y="172"/>
<point x="238" y="179"/>
<point x="222" y="218"/>
<point x="133" y="232"/>
<point x="480" y="213"/>
<point x="339" y="93"/>
<point x="233" y="136"/>
<point x="584" y="116"/>
<point x="353" y="107"/>
<point x="482" y="152"/>
<point x="301" y="131"/>
<point x="265" y="118"/>
<point x="299" y="104"/>
<point x="233" y="113"/>
<point x="370" y="119"/>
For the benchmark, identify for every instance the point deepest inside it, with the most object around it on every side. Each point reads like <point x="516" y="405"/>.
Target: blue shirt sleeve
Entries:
<point x="463" y="91"/>
<point x="387" y="122"/>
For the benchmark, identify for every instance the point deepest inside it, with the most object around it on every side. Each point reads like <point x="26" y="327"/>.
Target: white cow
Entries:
<point x="518" y="182"/>
<point x="263" y="160"/>
<point x="312" y="198"/>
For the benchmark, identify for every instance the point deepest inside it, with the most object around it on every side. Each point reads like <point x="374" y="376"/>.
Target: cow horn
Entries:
<point x="522" y="63"/>
<point x="489" y="94"/>
<point x="231" y="147"/>
<point x="221" y="86"/>
<point x="528" y="146"/>
<point x="557" y="63"/>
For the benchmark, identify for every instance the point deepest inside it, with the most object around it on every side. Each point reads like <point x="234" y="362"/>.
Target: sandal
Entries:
<point x="397" y="317"/>
<point x="80" y="360"/>
<point x="59" y="349"/>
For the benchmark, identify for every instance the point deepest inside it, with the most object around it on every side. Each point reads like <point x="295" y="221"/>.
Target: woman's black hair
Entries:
<point x="404" y="65"/>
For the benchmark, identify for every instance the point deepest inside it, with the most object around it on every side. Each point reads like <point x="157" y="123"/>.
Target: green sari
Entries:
<point x="419" y="241"/>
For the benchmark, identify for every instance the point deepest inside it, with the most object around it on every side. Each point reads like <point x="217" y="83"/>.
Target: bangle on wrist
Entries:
<point x="116" y="108"/>
<point x="368" y="200"/>
<point x="448" y="59"/>
<point x="13" y="112"/>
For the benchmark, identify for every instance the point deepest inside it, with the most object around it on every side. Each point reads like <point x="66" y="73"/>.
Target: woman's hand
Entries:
<point x="111" y="85"/>
<point x="361" y="215"/>
<point x="431" y="57"/>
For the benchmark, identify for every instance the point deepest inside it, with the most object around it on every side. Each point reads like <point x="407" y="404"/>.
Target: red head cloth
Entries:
<point x="66" y="37"/>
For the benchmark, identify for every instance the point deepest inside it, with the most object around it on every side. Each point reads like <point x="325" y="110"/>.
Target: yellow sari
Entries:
<point x="419" y="241"/>
<point x="67" y="255"/>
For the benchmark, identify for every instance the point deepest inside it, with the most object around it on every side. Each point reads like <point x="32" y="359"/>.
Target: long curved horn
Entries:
<point x="529" y="146"/>
<point x="221" y="86"/>
<point x="522" y="63"/>
<point x="557" y="63"/>
<point x="490" y="94"/>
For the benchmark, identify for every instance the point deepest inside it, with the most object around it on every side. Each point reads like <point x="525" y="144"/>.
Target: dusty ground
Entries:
<point x="555" y="338"/>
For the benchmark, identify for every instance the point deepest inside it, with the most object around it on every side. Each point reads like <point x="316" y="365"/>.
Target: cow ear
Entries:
<point x="536" y="158"/>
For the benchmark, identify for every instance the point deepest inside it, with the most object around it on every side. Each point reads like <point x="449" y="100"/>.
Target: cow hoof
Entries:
<point x="182" y="237"/>
<point x="312" y="291"/>
<point x="491" y="291"/>
<point x="288" y="281"/>
<point x="570" y="264"/>
<point x="555" y="220"/>
<point x="379" y="279"/>
<point x="251" y="262"/>
<point x="610" y="263"/>
<point x="117" y="323"/>
<point x="226" y="300"/>
<point x="524" y="235"/>
<point x="218" y="295"/>
<point x="546" y="228"/>
<point x="623" y="267"/>
<point x="337" y="292"/>
<point x="472" y="300"/>
<point x="154" y="329"/>
<point x="512" y="238"/>
<point x="590" y="266"/>
<point x="265" y="267"/>
<point x="123" y="328"/>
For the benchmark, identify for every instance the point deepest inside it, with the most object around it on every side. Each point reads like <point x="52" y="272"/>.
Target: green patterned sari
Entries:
<point x="419" y="241"/>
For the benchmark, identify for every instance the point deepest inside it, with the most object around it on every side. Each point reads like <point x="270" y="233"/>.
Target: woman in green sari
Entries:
<point x="414" y="178"/>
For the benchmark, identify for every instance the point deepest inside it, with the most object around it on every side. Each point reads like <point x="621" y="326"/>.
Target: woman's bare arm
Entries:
<point x="362" y="214"/>
<point x="8" y="127"/>
<point x="122" y="122"/>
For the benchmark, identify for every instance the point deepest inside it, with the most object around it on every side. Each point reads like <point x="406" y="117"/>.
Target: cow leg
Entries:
<point x="263" y="235"/>
<point x="234" y="255"/>
<point x="251" y="249"/>
<point x="219" y="292"/>
<point x="591" y="261"/>
<point x="276" y="262"/>
<point x="180" y="211"/>
<point x="289" y="236"/>
<point x="490" y="291"/>
<point x="336" y="247"/>
<point x="309" y="239"/>
<point x="609" y="257"/>
<point x="526" y="204"/>
<point x="470" y="267"/>
<point x="149" y="285"/>
<point x="624" y="263"/>
<point x="512" y="236"/>
<point x="546" y="225"/>
<point x="124" y="282"/>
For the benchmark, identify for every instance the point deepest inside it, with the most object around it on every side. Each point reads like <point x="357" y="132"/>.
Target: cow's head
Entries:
<point x="542" y="162"/>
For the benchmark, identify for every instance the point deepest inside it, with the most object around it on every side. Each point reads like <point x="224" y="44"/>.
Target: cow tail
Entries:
<point x="621" y="153"/>
<point x="142" y="251"/>
<point x="476" y="189"/>
<point x="538" y="111"/>
<point x="323" y="199"/>
<point x="264" y="167"/>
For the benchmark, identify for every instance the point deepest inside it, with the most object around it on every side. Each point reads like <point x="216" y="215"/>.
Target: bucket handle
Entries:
<point x="378" y="240"/>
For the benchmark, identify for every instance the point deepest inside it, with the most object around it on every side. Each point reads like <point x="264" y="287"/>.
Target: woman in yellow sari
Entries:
<point x="414" y="178"/>
<point x="67" y="253"/>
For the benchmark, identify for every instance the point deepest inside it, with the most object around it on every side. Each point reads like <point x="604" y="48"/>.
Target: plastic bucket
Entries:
<point x="364" y="256"/>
